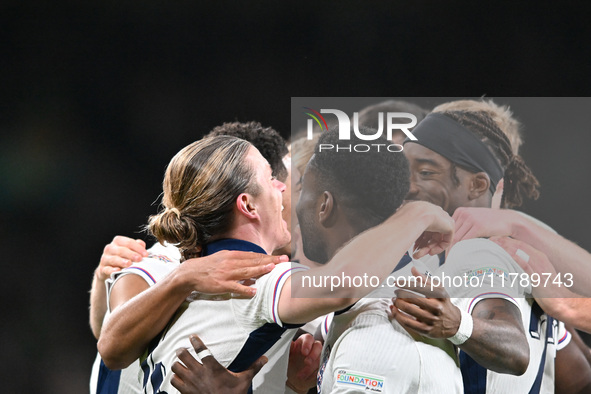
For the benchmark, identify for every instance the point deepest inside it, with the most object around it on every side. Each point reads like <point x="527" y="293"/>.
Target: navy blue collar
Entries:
<point x="231" y="244"/>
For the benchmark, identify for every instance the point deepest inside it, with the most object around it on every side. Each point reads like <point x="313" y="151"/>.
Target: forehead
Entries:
<point x="418" y="154"/>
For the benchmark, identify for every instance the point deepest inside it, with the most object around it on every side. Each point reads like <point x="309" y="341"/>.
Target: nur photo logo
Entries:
<point x="345" y="126"/>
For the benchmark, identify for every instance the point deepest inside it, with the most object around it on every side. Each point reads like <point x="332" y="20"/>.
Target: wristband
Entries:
<point x="464" y="331"/>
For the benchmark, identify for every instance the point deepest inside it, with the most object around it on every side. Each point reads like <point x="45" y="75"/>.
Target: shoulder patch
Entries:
<point x="360" y="381"/>
<point x="160" y="257"/>
<point x="479" y="272"/>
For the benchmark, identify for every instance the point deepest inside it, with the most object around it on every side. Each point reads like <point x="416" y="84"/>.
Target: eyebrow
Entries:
<point x="428" y="161"/>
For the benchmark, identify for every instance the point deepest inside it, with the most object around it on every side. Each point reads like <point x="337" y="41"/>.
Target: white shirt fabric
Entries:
<point x="488" y="272"/>
<point x="236" y="331"/>
<point x="160" y="262"/>
<point x="365" y="352"/>
<point x="269" y="380"/>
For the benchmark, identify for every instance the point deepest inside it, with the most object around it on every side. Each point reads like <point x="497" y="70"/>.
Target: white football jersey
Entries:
<point x="367" y="352"/>
<point x="160" y="262"/>
<point x="236" y="330"/>
<point x="488" y="271"/>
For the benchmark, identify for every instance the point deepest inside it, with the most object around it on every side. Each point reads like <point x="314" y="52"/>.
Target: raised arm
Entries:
<point x="566" y="257"/>
<point x="119" y="254"/>
<point x="373" y="253"/>
<point x="552" y="292"/>
<point x="137" y="316"/>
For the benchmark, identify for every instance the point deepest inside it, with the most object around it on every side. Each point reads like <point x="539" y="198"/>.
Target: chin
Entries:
<point x="285" y="249"/>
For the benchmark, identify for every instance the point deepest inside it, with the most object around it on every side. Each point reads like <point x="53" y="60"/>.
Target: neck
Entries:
<point x="339" y="238"/>
<point x="250" y="232"/>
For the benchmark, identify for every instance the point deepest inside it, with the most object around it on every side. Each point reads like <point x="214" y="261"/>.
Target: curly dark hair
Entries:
<point x="520" y="182"/>
<point x="266" y="139"/>
<point x="369" y="186"/>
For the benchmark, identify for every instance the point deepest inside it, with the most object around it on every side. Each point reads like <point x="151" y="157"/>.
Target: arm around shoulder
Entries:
<point x="373" y="253"/>
<point x="139" y="313"/>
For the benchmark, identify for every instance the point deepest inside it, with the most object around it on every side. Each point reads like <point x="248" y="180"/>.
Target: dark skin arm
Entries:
<point x="210" y="377"/>
<point x="576" y="337"/>
<point x="497" y="342"/>
<point x="496" y="320"/>
<point x="573" y="372"/>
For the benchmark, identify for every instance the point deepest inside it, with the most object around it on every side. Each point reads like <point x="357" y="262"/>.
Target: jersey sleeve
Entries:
<point x="161" y="260"/>
<point x="152" y="269"/>
<point x="478" y="269"/>
<point x="326" y="321"/>
<point x="564" y="337"/>
<point x="263" y="307"/>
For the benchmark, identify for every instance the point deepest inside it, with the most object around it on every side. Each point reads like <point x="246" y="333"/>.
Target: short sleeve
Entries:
<point x="152" y="269"/>
<point x="478" y="269"/>
<point x="263" y="307"/>
<point x="564" y="337"/>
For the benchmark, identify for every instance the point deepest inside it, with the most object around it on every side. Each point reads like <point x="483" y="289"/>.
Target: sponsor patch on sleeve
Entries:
<point x="360" y="381"/>
<point x="160" y="257"/>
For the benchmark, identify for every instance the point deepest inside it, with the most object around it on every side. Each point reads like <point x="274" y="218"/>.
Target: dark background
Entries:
<point x="97" y="96"/>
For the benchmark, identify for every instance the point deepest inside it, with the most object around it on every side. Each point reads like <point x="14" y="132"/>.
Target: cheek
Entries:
<point x="286" y="199"/>
<point x="297" y="211"/>
<point x="301" y="210"/>
<point x="442" y="193"/>
<point x="294" y="217"/>
<point x="286" y="213"/>
<point x="434" y="191"/>
<point x="426" y="186"/>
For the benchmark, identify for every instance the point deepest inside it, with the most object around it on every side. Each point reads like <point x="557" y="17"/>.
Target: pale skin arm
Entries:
<point x="139" y="313"/>
<point x="574" y="311"/>
<point x="556" y="300"/>
<point x="119" y="254"/>
<point x="565" y="256"/>
<point x="498" y="340"/>
<point x="382" y="245"/>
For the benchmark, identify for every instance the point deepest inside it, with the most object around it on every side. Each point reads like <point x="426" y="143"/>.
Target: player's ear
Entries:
<point x="479" y="185"/>
<point x="246" y="206"/>
<point x="326" y="214"/>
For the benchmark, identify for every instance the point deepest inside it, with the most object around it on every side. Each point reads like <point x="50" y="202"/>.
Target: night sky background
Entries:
<point x="96" y="97"/>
